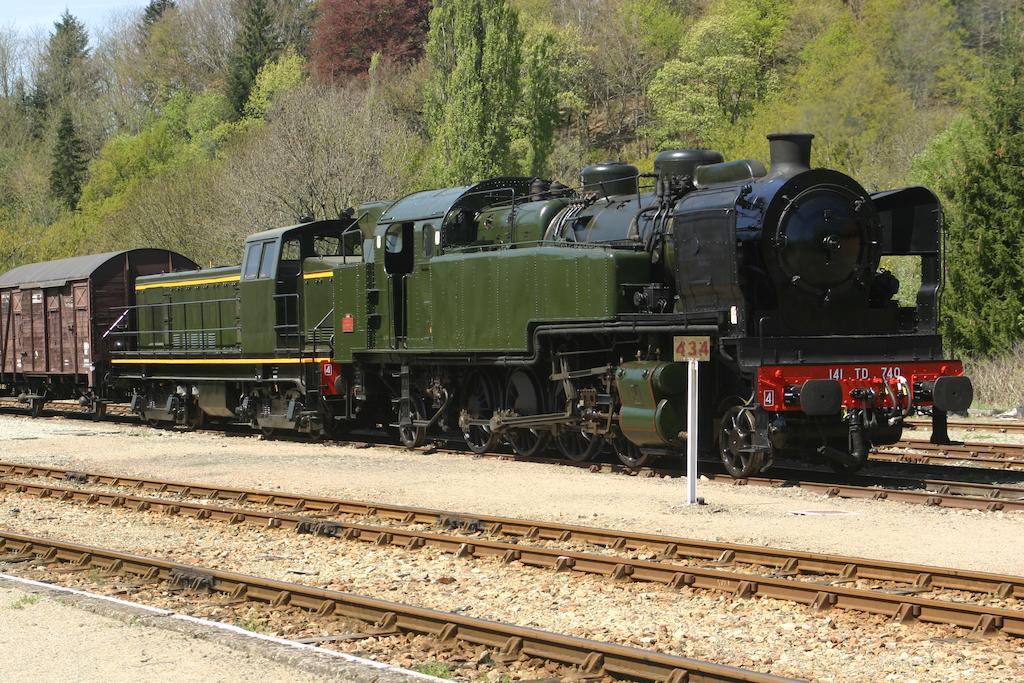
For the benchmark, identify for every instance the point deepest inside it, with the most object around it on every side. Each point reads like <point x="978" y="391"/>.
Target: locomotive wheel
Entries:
<point x="267" y="432"/>
<point x="574" y="444"/>
<point x="630" y="454"/>
<point x="478" y="402"/>
<point x="734" y="436"/>
<point x="196" y="417"/>
<point x="577" y="445"/>
<point x="523" y="396"/>
<point x="410" y="435"/>
<point x="36" y="407"/>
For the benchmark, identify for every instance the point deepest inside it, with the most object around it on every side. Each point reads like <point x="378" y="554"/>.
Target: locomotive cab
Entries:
<point x="277" y="266"/>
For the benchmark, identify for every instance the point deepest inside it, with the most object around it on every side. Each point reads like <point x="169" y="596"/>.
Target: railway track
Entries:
<point x="384" y="617"/>
<point x="812" y="579"/>
<point x="932" y="454"/>
<point x="915" y="491"/>
<point x="934" y="493"/>
<point x="1002" y="427"/>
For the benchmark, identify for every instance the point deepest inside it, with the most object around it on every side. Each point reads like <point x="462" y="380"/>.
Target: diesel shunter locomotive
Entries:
<point x="522" y="312"/>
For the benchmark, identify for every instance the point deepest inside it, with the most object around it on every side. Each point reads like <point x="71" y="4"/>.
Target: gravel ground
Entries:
<point x="743" y="514"/>
<point x="91" y="647"/>
<point x="769" y="635"/>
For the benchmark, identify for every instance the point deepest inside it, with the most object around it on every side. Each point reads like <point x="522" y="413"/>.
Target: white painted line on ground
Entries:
<point x="159" y="611"/>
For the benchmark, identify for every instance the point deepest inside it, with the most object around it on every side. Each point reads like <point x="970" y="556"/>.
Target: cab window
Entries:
<point x="268" y="260"/>
<point x="292" y="250"/>
<point x="252" y="261"/>
<point x="327" y="245"/>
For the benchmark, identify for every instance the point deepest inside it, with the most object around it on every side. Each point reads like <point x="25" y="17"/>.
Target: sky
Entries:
<point x="28" y="14"/>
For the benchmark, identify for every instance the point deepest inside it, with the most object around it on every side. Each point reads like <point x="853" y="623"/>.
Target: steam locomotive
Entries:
<point x="522" y="312"/>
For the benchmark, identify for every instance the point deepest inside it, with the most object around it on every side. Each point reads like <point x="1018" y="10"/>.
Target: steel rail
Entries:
<point x="939" y="486"/>
<point x="781" y="562"/>
<point x="389" y="617"/>
<point x="1005" y="427"/>
<point x="972" y="448"/>
<point x="935" y="498"/>
<point x="902" y="606"/>
<point x="944" y="455"/>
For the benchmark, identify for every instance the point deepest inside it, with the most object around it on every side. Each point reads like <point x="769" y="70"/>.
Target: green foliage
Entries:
<point x="285" y="72"/>
<point x="474" y="51"/>
<point x="65" y="60"/>
<point x="255" y="44"/>
<point x="153" y="12"/>
<point x="725" y="67"/>
<point x="658" y="27"/>
<point x="25" y="601"/>
<point x="68" y="168"/>
<point x="978" y="167"/>
<point x="436" y="669"/>
<point x="540" y="105"/>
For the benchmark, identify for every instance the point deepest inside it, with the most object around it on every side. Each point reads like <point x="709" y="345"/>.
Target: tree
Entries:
<point x="474" y="50"/>
<point x="982" y="182"/>
<point x="255" y="44"/>
<point x="347" y="33"/>
<point x="276" y="76"/>
<point x="540" y="104"/>
<point x="65" y="67"/>
<point x="725" y="67"/>
<point x="323" y="149"/>
<point x="68" y="169"/>
<point x="152" y="14"/>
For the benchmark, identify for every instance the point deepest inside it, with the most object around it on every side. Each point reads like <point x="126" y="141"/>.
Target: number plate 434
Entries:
<point x="691" y="348"/>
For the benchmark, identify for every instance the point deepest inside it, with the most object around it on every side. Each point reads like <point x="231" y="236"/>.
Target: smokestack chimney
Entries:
<point x="790" y="152"/>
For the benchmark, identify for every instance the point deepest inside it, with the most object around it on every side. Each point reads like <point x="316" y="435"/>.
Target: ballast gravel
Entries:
<point x="967" y="539"/>
<point x="768" y="635"/>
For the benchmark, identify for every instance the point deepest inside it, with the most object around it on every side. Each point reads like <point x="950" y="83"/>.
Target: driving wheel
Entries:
<point x="573" y="443"/>
<point x="523" y="397"/>
<point x="478" y="403"/>
<point x="408" y="411"/>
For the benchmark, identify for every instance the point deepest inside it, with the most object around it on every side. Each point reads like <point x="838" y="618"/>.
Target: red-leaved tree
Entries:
<point x="346" y="33"/>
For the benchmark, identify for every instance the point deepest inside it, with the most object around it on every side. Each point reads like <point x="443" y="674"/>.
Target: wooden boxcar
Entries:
<point x="57" y="320"/>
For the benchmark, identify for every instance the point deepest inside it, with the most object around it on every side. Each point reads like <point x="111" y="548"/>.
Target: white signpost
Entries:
<point x="693" y="350"/>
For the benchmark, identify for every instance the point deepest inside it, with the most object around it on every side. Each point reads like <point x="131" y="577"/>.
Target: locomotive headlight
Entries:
<point x="733" y="315"/>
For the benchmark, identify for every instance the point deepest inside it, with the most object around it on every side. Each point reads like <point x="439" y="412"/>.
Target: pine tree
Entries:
<point x="984" y="299"/>
<point x="68" y="168"/>
<point x="255" y="44"/>
<point x="474" y="49"/>
<point x="540" y="105"/>
<point x="65" y="68"/>
<point x="152" y="14"/>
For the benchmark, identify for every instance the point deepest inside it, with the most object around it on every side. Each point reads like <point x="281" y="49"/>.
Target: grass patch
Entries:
<point x="998" y="380"/>
<point x="436" y="669"/>
<point x="24" y="601"/>
<point x="254" y="624"/>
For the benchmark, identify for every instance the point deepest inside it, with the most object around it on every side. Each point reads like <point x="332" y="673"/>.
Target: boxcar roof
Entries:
<point x="56" y="273"/>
